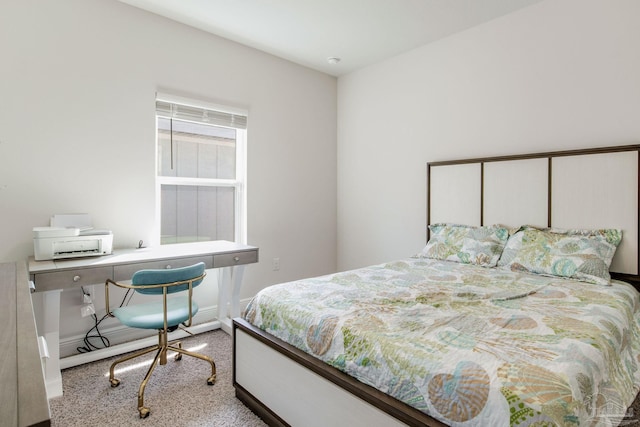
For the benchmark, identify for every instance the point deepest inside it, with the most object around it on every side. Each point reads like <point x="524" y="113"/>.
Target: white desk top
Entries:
<point x="126" y="256"/>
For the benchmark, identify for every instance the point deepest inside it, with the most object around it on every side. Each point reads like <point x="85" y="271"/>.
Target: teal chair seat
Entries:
<point x="151" y="315"/>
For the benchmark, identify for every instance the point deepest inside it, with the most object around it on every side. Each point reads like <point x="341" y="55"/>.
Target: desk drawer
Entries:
<point x="72" y="278"/>
<point x="235" y="258"/>
<point x="124" y="272"/>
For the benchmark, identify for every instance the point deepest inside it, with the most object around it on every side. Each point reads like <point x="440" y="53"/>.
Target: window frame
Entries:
<point x="239" y="183"/>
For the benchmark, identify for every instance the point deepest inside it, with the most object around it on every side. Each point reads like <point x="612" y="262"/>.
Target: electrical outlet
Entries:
<point x="87" y="294"/>
<point x="87" y="310"/>
<point x="276" y="264"/>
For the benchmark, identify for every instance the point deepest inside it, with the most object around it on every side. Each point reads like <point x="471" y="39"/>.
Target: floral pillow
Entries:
<point x="466" y="244"/>
<point x="583" y="255"/>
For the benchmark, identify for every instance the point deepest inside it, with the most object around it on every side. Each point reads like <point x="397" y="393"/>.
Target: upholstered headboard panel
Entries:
<point x="591" y="188"/>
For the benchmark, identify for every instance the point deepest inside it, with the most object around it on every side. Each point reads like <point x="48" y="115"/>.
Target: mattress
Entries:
<point x="469" y="345"/>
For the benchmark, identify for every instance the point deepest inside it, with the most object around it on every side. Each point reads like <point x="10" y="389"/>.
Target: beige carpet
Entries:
<point x="177" y="393"/>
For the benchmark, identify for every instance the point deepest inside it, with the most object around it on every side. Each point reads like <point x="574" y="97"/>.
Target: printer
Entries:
<point x="70" y="236"/>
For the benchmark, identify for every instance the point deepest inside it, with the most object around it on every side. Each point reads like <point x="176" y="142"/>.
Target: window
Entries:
<point x="200" y="171"/>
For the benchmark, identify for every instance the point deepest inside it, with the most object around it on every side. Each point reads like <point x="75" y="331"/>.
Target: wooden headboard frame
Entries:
<point x="459" y="202"/>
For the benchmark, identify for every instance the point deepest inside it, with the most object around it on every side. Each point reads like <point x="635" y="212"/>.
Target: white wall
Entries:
<point x="561" y="74"/>
<point x="77" y="131"/>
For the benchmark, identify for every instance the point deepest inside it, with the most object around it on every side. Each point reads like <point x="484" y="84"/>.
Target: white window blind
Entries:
<point x="198" y="114"/>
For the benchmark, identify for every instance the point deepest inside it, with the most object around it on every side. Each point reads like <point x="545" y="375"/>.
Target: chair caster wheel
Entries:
<point x="178" y="357"/>
<point x="144" y="412"/>
<point x="114" y="382"/>
<point x="211" y="380"/>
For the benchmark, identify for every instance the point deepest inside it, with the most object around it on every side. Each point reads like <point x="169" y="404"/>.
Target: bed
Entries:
<point x="492" y="323"/>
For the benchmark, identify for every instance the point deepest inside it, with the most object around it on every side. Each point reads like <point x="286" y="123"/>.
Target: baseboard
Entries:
<point x="120" y="334"/>
<point x="114" y="350"/>
<point x="127" y="339"/>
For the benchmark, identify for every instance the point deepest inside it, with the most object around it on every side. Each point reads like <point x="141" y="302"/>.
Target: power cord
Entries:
<point x="89" y="346"/>
<point x="87" y="338"/>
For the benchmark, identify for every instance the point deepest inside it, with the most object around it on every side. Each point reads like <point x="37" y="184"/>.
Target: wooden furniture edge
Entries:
<point x="8" y="345"/>
<point x="259" y="408"/>
<point x="561" y="153"/>
<point x="395" y="408"/>
<point x="33" y="405"/>
<point x="30" y="403"/>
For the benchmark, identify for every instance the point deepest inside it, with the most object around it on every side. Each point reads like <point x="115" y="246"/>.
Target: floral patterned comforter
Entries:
<point x="469" y="345"/>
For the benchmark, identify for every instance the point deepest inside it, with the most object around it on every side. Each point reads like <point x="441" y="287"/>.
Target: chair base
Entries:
<point x="161" y="356"/>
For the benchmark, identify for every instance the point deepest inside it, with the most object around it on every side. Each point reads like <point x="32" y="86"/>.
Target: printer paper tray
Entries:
<point x="64" y="249"/>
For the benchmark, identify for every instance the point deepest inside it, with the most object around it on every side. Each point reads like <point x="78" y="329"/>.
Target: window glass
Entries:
<point x="193" y="150"/>
<point x="197" y="213"/>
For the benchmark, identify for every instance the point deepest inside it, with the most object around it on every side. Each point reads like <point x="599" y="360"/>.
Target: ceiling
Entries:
<point x="308" y="32"/>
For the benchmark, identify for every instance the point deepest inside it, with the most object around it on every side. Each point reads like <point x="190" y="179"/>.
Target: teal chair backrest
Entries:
<point x="161" y="276"/>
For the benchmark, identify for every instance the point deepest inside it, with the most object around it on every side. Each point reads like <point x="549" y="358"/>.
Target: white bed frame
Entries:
<point x="286" y="387"/>
<point x="591" y="188"/>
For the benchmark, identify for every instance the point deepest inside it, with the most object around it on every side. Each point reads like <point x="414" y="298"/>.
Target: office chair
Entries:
<point x="165" y="316"/>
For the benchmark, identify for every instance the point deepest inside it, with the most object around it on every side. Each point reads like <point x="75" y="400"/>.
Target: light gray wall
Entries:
<point x="561" y="74"/>
<point x="77" y="85"/>
<point x="77" y="131"/>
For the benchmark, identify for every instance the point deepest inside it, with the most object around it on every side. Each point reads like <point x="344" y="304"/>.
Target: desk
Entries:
<point x="51" y="277"/>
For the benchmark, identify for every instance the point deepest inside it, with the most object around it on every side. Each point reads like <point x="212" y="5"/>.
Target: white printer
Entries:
<point x="70" y="236"/>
